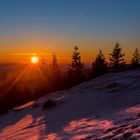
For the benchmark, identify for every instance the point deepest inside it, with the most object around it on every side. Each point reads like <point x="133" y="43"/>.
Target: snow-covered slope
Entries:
<point x="103" y="108"/>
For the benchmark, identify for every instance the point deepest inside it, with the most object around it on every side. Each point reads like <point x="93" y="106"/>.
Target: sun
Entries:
<point x="34" y="59"/>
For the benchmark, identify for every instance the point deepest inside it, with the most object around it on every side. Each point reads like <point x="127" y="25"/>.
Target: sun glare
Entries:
<point x="34" y="59"/>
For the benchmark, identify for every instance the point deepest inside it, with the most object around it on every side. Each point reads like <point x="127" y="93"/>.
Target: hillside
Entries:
<point x="104" y="108"/>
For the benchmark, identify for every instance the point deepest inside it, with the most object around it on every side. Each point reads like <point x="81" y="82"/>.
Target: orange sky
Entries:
<point x="21" y="53"/>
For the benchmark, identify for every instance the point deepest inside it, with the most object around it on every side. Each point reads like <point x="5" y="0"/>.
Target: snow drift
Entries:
<point x="103" y="108"/>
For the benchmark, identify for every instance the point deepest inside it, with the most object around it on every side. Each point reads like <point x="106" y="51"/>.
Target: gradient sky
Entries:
<point x="56" y="26"/>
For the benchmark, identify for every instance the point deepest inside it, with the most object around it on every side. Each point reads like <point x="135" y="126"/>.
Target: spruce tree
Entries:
<point x="135" y="59"/>
<point x="116" y="58"/>
<point x="76" y="68"/>
<point x="54" y="64"/>
<point x="55" y="73"/>
<point x="99" y="66"/>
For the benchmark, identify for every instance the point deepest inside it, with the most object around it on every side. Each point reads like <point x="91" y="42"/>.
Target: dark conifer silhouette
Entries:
<point x="54" y="64"/>
<point x="76" y="68"/>
<point x="99" y="66"/>
<point x="116" y="58"/>
<point x="55" y="73"/>
<point x="44" y="66"/>
<point x="43" y="61"/>
<point x="135" y="59"/>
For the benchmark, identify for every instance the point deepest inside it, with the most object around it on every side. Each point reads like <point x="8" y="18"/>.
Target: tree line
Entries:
<point x="100" y="65"/>
<point x="75" y="74"/>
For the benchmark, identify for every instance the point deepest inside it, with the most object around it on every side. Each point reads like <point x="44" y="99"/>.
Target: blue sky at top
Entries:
<point x="78" y="20"/>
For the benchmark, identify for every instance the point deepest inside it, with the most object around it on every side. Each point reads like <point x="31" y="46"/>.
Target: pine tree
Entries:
<point x="135" y="59"/>
<point x="99" y="66"/>
<point x="44" y="67"/>
<point x="54" y="64"/>
<point x="76" y="68"/>
<point x="116" y="58"/>
<point x="55" y="73"/>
